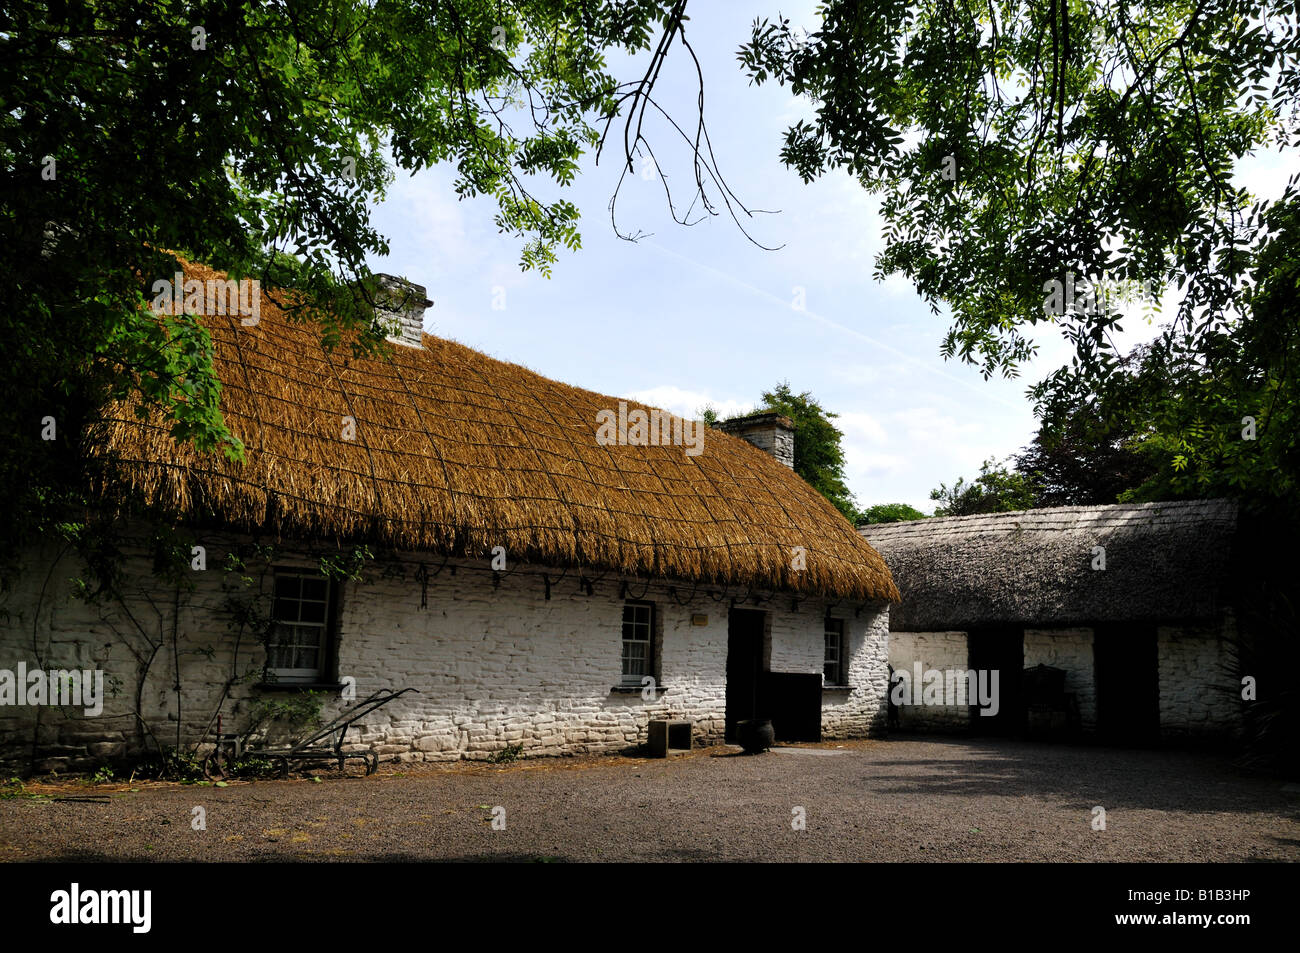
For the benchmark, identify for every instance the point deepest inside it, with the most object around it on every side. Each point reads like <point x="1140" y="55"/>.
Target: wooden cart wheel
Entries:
<point x="211" y="769"/>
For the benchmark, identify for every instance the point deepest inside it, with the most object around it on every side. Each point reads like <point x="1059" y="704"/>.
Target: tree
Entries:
<point x="1093" y="454"/>
<point x="818" y="456"/>
<point x="997" y="489"/>
<point x="890" y="513"/>
<point x="253" y="137"/>
<point x="1228" y="419"/>
<point x="1042" y="161"/>
<point x="1084" y="463"/>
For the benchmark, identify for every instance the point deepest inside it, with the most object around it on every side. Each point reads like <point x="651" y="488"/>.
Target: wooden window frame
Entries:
<point x="650" y="643"/>
<point x="324" y="673"/>
<point x="839" y="629"/>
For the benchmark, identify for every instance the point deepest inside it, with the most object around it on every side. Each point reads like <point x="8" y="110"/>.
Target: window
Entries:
<point x="299" y="641"/>
<point x="833" y="671"/>
<point x="638" y="642"/>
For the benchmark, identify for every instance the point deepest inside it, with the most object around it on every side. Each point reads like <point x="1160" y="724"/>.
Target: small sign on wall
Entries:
<point x="699" y="618"/>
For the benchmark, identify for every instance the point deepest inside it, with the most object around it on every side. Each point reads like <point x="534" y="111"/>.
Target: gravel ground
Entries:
<point x="903" y="799"/>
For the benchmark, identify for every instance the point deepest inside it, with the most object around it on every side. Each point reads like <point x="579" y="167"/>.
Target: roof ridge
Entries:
<point x="1200" y="510"/>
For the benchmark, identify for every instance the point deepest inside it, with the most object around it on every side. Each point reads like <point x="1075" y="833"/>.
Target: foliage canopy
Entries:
<point x="1042" y="161"/>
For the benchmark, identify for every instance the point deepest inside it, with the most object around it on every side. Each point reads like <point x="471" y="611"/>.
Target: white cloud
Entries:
<point x="859" y="464"/>
<point x="861" y="426"/>
<point x="430" y="225"/>
<point x="926" y="426"/>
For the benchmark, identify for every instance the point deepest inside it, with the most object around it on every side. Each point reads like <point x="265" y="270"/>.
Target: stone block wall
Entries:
<point x="860" y="710"/>
<point x="494" y="665"/>
<point x="138" y="643"/>
<point x="401" y="307"/>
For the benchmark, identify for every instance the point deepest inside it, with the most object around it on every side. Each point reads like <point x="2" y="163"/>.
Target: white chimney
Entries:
<point x="400" y="306"/>
<point x="771" y="432"/>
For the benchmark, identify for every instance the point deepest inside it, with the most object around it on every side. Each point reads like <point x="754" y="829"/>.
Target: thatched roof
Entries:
<point x="1164" y="561"/>
<point x="456" y="452"/>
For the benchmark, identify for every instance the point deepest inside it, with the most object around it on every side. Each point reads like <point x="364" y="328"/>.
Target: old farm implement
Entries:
<point x="324" y="744"/>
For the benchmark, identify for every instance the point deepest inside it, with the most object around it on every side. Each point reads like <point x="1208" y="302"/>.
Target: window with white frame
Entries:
<point x="638" y="642"/>
<point x="833" y="670"/>
<point x="297" y="649"/>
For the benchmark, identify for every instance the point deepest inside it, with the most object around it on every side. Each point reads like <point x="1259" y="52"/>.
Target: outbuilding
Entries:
<point x="1133" y="603"/>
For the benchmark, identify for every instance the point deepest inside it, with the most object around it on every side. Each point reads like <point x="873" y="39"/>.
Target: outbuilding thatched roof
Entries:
<point x="1163" y="561"/>
<point x="456" y="452"/>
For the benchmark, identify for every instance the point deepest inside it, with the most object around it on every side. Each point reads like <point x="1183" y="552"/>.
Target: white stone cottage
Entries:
<point x="1134" y="602"/>
<point x="527" y="577"/>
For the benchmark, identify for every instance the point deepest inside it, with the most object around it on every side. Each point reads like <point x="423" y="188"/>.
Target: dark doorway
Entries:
<point x="1001" y="651"/>
<point x="1128" y="684"/>
<point x="744" y="667"/>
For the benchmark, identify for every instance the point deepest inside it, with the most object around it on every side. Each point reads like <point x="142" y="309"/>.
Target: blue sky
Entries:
<point x="695" y="315"/>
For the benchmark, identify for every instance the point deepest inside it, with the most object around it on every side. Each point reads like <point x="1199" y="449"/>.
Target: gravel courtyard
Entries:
<point x="904" y="799"/>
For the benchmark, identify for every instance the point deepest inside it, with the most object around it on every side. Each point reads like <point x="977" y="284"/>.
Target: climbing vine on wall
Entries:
<point x="147" y="615"/>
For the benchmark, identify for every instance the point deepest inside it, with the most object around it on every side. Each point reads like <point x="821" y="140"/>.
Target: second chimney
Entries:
<point x="401" y="305"/>
<point x="770" y="432"/>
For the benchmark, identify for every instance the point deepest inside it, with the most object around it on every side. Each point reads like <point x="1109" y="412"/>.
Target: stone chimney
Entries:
<point x="770" y="432"/>
<point x="401" y="307"/>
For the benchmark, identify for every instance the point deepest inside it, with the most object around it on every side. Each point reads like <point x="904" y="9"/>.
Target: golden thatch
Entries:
<point x="456" y="452"/>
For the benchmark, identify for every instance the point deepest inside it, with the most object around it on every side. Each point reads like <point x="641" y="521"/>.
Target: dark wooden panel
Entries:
<point x="794" y="703"/>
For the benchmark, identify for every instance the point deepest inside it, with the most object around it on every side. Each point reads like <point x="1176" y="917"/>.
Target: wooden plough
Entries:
<point x="326" y="743"/>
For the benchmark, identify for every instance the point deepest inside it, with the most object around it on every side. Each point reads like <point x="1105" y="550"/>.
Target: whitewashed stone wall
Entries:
<point x="1071" y="650"/>
<point x="494" y="665"/>
<point x="497" y="666"/>
<point x="943" y="651"/>
<point x="156" y="630"/>
<point x="1199" y="692"/>
<point x="860" y="710"/>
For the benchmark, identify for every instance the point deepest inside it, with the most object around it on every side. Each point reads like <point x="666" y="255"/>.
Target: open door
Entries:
<point x="1128" y="684"/>
<point x="1000" y="650"/>
<point x="744" y="667"/>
